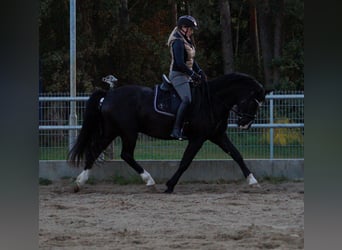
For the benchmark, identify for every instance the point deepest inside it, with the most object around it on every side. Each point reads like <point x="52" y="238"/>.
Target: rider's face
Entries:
<point x="188" y="31"/>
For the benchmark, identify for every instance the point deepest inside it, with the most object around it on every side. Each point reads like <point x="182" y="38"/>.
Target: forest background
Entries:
<point x="127" y="38"/>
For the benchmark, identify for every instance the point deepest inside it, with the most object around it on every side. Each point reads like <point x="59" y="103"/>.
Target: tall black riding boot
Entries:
<point x="177" y="128"/>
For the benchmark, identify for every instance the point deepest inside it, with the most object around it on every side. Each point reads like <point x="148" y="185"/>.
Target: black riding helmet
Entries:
<point x="187" y="21"/>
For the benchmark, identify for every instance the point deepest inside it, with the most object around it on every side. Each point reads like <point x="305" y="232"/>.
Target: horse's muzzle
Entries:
<point x="244" y="123"/>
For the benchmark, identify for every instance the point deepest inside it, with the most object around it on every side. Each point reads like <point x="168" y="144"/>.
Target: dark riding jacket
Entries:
<point x="183" y="53"/>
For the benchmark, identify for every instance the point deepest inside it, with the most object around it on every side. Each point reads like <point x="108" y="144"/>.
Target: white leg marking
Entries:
<point x="251" y="180"/>
<point x="147" y="178"/>
<point x="83" y="177"/>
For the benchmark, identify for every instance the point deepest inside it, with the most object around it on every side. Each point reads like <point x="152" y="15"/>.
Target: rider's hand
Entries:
<point x="204" y="77"/>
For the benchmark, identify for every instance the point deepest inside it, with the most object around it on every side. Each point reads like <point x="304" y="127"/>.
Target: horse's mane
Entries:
<point x="221" y="86"/>
<point x="233" y="78"/>
<point x="224" y="84"/>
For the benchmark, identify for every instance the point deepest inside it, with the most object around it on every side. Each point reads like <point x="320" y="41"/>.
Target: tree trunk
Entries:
<point x="253" y="31"/>
<point x="238" y="31"/>
<point x="188" y="7"/>
<point x="174" y="11"/>
<point x="124" y="15"/>
<point x="278" y="23"/>
<point x="264" y="18"/>
<point x="226" y="37"/>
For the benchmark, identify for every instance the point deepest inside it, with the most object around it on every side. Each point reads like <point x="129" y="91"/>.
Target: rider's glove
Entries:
<point x="204" y="77"/>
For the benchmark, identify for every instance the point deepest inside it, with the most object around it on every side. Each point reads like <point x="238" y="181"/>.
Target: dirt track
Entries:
<point x="195" y="216"/>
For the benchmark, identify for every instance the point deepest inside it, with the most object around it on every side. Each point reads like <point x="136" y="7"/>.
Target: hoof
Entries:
<point x="251" y="180"/>
<point x="76" y="188"/>
<point x="168" y="190"/>
<point x="147" y="178"/>
<point x="256" y="185"/>
<point x="150" y="183"/>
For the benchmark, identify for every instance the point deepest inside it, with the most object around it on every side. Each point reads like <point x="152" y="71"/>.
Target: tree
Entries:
<point x="271" y="12"/>
<point x="124" y="15"/>
<point x="278" y="33"/>
<point x="253" y="31"/>
<point x="173" y="4"/>
<point x="226" y="37"/>
<point x="265" y="21"/>
<point x="127" y="39"/>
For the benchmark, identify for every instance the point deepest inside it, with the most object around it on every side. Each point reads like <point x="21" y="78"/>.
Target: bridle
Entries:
<point x="240" y="114"/>
<point x="245" y="115"/>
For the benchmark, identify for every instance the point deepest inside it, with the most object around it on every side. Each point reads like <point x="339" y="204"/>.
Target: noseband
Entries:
<point x="246" y="115"/>
<point x="243" y="115"/>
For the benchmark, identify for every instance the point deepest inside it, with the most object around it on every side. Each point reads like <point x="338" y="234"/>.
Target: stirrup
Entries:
<point x="176" y="133"/>
<point x="179" y="136"/>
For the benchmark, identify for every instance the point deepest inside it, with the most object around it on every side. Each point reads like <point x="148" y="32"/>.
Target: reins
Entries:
<point x="228" y="108"/>
<point x="206" y="89"/>
<point x="206" y="94"/>
<point x="238" y="113"/>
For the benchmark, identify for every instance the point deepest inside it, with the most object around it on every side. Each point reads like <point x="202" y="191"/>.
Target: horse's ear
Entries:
<point x="267" y="91"/>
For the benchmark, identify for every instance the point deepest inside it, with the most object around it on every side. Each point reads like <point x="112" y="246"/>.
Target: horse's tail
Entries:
<point x="90" y="131"/>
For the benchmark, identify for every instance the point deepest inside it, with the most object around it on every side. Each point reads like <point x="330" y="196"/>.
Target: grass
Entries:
<point x="174" y="150"/>
<point x="252" y="145"/>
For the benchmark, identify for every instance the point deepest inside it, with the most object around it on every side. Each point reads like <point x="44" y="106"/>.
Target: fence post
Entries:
<point x="73" y="116"/>
<point x="271" y="129"/>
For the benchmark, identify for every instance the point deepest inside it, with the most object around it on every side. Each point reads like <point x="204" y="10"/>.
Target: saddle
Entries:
<point x="166" y="99"/>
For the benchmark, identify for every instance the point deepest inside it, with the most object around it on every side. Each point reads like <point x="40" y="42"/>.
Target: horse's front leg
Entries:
<point x="227" y="146"/>
<point x="189" y="154"/>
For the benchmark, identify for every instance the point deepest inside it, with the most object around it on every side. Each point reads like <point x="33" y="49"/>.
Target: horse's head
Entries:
<point x="248" y="106"/>
<point x="240" y="93"/>
<point x="246" y="111"/>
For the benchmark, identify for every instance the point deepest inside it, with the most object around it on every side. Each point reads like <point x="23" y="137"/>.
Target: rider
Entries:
<point x="183" y="68"/>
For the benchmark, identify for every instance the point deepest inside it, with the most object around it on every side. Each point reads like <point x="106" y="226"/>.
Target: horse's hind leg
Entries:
<point x="227" y="146"/>
<point x="91" y="156"/>
<point x="127" y="154"/>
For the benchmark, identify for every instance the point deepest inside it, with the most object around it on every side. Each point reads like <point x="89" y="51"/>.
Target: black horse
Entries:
<point x="128" y="110"/>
